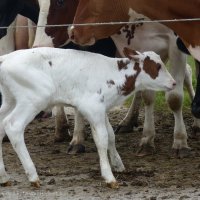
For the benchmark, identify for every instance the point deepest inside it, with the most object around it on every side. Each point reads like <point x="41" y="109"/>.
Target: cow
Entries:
<point x="104" y="11"/>
<point x="148" y="37"/>
<point x="80" y="79"/>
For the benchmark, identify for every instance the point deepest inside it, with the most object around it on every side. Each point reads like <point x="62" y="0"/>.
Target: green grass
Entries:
<point x="161" y="104"/>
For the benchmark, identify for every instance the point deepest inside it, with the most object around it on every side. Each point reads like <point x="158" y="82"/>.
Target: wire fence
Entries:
<point x="107" y="23"/>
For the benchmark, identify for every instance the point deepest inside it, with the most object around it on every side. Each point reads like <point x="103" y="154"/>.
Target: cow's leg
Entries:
<point x="131" y="119"/>
<point x="190" y="89"/>
<point x="4" y="110"/>
<point x="76" y="145"/>
<point x="21" y="34"/>
<point x="62" y="127"/>
<point x="175" y="100"/>
<point x="14" y="125"/>
<point x="196" y="100"/>
<point x="146" y="146"/>
<point x="115" y="159"/>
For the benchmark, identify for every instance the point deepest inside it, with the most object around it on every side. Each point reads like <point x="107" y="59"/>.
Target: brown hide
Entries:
<point x="117" y="10"/>
<point x="62" y="13"/>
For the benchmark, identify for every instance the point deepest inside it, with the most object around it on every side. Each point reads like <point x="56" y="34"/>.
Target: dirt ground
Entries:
<point x="159" y="176"/>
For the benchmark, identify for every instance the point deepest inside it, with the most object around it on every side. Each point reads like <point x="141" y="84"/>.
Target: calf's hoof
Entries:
<point x="113" y="185"/>
<point x="181" y="153"/>
<point x="6" y="184"/>
<point x="76" y="149"/>
<point x="35" y="184"/>
<point x="145" y="150"/>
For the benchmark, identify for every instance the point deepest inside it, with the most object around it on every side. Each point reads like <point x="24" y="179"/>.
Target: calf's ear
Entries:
<point x="131" y="54"/>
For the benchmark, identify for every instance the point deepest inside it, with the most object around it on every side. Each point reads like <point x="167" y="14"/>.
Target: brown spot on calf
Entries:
<point x="151" y="67"/>
<point x="122" y="64"/>
<point x="129" y="84"/>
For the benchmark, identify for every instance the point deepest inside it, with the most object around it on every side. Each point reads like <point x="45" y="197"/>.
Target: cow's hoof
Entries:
<point x="123" y="129"/>
<point x="6" y="184"/>
<point x="35" y="184"/>
<point x="145" y="150"/>
<point x="181" y="153"/>
<point x="113" y="185"/>
<point x="76" y="149"/>
<point x="6" y="139"/>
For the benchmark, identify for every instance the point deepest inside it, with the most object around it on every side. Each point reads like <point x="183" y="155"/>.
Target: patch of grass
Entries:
<point x="161" y="103"/>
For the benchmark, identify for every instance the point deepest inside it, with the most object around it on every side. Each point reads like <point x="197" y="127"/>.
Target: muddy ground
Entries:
<point x="159" y="176"/>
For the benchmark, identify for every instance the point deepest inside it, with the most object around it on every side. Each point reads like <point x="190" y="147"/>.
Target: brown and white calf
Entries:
<point x="92" y="83"/>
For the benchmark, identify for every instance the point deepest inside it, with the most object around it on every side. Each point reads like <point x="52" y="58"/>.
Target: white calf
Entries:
<point x="90" y="82"/>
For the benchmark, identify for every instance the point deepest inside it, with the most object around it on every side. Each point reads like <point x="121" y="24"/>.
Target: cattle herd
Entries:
<point x="63" y="67"/>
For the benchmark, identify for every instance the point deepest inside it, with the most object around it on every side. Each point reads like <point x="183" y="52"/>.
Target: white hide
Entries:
<point x="41" y="38"/>
<point x="48" y="77"/>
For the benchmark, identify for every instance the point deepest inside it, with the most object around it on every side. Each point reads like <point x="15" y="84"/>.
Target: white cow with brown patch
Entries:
<point x="90" y="82"/>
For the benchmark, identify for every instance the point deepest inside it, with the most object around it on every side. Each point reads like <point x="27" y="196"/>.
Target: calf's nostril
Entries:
<point x="174" y="84"/>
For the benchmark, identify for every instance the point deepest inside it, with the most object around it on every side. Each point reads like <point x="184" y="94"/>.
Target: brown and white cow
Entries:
<point x="106" y="11"/>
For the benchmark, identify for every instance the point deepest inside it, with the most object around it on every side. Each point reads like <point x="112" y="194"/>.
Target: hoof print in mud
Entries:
<point x="76" y="149"/>
<point x="145" y="150"/>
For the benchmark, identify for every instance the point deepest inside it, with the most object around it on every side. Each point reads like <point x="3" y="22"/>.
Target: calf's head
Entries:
<point x="152" y="73"/>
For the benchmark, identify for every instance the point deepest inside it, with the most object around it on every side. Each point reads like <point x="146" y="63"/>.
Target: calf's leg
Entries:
<point x="115" y="159"/>
<point x="100" y="135"/>
<point x="4" y="110"/>
<point x="14" y="125"/>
